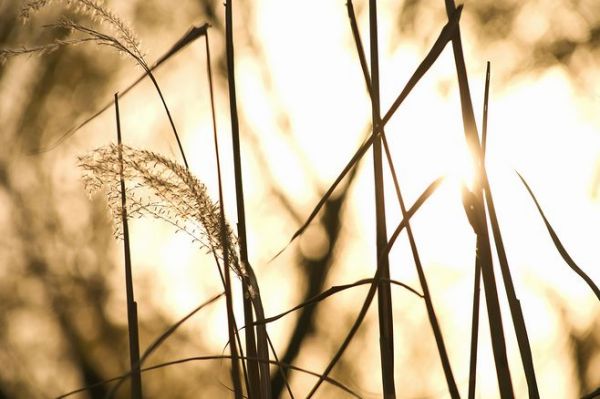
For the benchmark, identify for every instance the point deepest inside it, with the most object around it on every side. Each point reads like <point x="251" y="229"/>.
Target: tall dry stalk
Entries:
<point x="422" y="279"/>
<point x="384" y="292"/>
<point x="232" y="330"/>
<point x="475" y="210"/>
<point x="259" y="373"/>
<point x="132" y="319"/>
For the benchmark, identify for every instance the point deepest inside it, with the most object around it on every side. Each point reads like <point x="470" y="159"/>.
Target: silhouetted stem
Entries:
<point x="132" y="320"/>
<point x="384" y="293"/>
<point x="261" y="344"/>
<point x="235" y="367"/>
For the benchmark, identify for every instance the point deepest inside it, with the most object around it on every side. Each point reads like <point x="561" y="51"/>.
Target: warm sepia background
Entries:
<point x="304" y="110"/>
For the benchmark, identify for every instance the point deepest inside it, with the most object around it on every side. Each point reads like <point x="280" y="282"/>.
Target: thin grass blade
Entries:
<point x="559" y="246"/>
<point x="422" y="279"/>
<point x="371" y="293"/>
<point x="513" y="301"/>
<point x="478" y="219"/>
<point x="384" y="292"/>
<point x="258" y="346"/>
<point x="158" y="341"/>
<point x="331" y="291"/>
<point x="413" y="209"/>
<point x="132" y="319"/>
<point x="329" y="380"/>
<point x="191" y="35"/>
<point x="444" y="37"/>
<point x="474" y="331"/>
<point x="477" y="282"/>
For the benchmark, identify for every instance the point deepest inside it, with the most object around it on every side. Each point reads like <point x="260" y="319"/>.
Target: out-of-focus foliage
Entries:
<point x="519" y="36"/>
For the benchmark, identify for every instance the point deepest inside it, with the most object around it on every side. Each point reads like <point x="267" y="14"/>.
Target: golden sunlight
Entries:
<point x="457" y="310"/>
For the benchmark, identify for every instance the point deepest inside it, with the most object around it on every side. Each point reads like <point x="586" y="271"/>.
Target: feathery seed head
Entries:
<point x="161" y="188"/>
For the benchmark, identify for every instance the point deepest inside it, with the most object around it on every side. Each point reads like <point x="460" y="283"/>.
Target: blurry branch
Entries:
<point x="370" y="295"/>
<point x="593" y="395"/>
<point x="316" y="271"/>
<point x="41" y="230"/>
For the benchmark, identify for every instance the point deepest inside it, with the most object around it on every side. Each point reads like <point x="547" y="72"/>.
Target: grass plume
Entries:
<point x="160" y="188"/>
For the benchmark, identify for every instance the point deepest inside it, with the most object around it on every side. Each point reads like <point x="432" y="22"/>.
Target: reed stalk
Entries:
<point x="132" y="319"/>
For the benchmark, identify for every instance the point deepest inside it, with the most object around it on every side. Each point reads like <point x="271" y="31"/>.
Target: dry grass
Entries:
<point x="141" y="183"/>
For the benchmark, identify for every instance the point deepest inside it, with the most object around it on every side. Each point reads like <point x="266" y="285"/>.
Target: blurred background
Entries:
<point x="304" y="111"/>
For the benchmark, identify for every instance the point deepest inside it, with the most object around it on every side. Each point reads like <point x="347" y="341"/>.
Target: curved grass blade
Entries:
<point x="372" y="289"/>
<point x="559" y="246"/>
<point x="163" y="337"/>
<point x="191" y="35"/>
<point x="413" y="209"/>
<point x="331" y="291"/>
<point x="329" y="380"/>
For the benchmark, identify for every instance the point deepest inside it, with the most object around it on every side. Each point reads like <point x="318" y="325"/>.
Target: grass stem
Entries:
<point x="232" y="330"/>
<point x="384" y="293"/>
<point x="132" y="319"/>
<point x="259" y="373"/>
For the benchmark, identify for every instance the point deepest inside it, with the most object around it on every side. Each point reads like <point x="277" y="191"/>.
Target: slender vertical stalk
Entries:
<point x="384" y="294"/>
<point x="477" y="213"/>
<point x="260" y="347"/>
<point x="132" y="320"/>
<point x="422" y="278"/>
<point x="477" y="281"/>
<point x="433" y="320"/>
<point x="486" y="98"/>
<point x="513" y="302"/>
<point x="474" y="331"/>
<point x="235" y="366"/>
